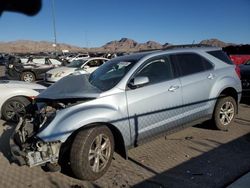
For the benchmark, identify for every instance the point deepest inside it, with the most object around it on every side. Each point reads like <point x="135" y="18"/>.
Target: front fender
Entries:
<point x="74" y="118"/>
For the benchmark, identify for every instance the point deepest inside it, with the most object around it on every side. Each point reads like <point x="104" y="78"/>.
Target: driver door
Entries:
<point x="154" y="107"/>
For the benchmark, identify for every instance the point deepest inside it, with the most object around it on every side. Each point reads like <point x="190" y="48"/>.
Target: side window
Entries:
<point x="39" y="61"/>
<point x="157" y="70"/>
<point x="190" y="63"/>
<point x="55" y="62"/>
<point x="94" y="63"/>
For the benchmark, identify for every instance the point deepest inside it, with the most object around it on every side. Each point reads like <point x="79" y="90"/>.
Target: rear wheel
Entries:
<point x="15" y="108"/>
<point x="28" y="77"/>
<point x="225" y="111"/>
<point x="92" y="152"/>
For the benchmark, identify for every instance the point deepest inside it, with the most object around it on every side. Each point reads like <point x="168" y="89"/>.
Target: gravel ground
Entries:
<point x="195" y="157"/>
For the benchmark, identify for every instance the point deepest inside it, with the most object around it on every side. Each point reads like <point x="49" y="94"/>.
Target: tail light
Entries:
<point x="237" y="70"/>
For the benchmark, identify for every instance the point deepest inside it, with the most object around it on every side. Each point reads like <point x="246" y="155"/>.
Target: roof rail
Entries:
<point x="186" y="46"/>
<point x="177" y="46"/>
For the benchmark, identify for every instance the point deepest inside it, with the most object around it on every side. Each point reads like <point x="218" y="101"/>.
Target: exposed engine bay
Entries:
<point x="26" y="147"/>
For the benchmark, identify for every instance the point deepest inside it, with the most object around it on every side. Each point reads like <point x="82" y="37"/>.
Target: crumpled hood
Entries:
<point x="70" y="87"/>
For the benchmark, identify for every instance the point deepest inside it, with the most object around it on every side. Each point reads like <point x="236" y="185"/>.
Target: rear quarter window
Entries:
<point x="221" y="56"/>
<point x="190" y="63"/>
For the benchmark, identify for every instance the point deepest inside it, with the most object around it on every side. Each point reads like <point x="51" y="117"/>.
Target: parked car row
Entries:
<point x="124" y="102"/>
<point x="30" y="70"/>
<point x="81" y="66"/>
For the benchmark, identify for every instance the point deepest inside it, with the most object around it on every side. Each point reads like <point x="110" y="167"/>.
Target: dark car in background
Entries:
<point x="32" y="70"/>
<point x="245" y="78"/>
<point x="4" y="58"/>
<point x="240" y="56"/>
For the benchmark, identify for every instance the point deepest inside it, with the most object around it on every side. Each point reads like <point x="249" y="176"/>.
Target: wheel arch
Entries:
<point x="230" y="91"/>
<point x="119" y="143"/>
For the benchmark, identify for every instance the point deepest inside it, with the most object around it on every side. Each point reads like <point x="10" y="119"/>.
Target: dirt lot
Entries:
<point x="195" y="157"/>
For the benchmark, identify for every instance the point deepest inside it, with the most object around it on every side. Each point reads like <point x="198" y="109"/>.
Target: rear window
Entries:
<point x="221" y="56"/>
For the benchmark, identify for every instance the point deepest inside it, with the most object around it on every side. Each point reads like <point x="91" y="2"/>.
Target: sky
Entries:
<point x="93" y="23"/>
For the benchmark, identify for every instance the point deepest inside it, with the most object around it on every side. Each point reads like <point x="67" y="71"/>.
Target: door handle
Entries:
<point x="173" y="88"/>
<point x="210" y="76"/>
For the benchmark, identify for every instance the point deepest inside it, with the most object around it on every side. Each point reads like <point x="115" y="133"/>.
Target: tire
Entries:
<point x="14" y="108"/>
<point x="28" y="76"/>
<point x="82" y="166"/>
<point x="224" y="113"/>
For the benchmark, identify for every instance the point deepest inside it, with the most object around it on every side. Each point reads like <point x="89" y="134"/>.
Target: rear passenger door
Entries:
<point x="197" y="78"/>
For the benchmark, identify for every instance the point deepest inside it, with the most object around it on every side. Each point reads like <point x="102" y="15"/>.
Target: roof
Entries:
<point x="184" y="48"/>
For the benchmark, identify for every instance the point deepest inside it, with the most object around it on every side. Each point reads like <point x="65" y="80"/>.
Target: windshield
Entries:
<point x="76" y="63"/>
<point x="110" y="73"/>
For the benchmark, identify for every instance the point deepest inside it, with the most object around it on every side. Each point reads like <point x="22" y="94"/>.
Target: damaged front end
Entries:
<point x="26" y="147"/>
<point x="28" y="143"/>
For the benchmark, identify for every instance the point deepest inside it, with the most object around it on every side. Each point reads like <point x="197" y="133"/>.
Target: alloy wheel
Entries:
<point x="28" y="77"/>
<point x="99" y="153"/>
<point x="226" y="113"/>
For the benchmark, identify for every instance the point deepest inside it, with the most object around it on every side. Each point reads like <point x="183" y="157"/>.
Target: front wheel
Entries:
<point x="92" y="152"/>
<point x="224" y="114"/>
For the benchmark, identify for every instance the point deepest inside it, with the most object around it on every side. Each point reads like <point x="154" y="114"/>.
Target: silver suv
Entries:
<point x="129" y="99"/>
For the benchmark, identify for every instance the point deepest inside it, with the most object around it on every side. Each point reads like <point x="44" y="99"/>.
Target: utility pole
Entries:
<point x="54" y="23"/>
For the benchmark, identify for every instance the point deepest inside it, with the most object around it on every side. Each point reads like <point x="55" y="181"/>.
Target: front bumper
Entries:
<point x="35" y="152"/>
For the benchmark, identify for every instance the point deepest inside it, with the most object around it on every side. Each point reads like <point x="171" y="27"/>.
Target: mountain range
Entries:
<point x="122" y="45"/>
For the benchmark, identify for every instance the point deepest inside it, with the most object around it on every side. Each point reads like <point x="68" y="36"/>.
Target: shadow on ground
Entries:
<point x="216" y="168"/>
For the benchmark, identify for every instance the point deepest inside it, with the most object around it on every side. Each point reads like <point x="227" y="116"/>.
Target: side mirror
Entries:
<point x="138" y="82"/>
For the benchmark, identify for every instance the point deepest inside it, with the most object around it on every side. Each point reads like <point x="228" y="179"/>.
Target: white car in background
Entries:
<point x="79" y="57"/>
<point x="15" y="98"/>
<point x="86" y="66"/>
